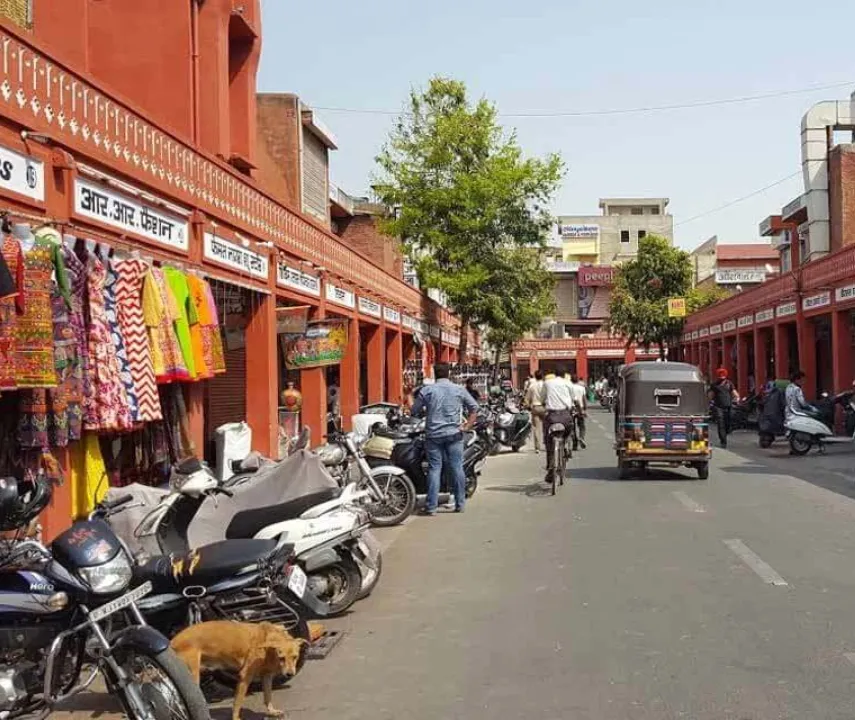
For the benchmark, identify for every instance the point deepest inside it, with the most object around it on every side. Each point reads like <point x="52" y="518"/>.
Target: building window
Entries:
<point x="654" y="211"/>
<point x="637" y="211"/>
<point x="19" y="12"/>
<point x="624" y="236"/>
<point x="642" y="234"/>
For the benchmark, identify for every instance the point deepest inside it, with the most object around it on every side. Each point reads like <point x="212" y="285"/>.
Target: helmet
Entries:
<point x="21" y="501"/>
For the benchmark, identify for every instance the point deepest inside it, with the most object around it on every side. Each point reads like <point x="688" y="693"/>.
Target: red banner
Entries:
<point x="596" y="276"/>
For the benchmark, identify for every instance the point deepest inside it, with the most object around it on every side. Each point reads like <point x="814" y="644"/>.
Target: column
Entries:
<point x="194" y="399"/>
<point x="841" y="351"/>
<point x="742" y="341"/>
<point x="313" y="386"/>
<point x="533" y="363"/>
<point x="394" y="367"/>
<point x="350" y="375"/>
<point x="712" y="359"/>
<point x="375" y="339"/>
<point x="727" y="343"/>
<point x="782" y="351"/>
<point x="582" y="363"/>
<point x="806" y="333"/>
<point x="761" y="359"/>
<point x="261" y="371"/>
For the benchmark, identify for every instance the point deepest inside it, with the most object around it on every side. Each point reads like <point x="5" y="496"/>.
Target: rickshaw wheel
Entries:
<point x="703" y="471"/>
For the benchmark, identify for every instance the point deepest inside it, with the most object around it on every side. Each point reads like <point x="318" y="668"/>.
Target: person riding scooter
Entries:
<point x="772" y="403"/>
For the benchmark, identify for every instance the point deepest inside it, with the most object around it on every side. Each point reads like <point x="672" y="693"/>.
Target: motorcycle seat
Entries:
<point x="246" y="523"/>
<point x="206" y="565"/>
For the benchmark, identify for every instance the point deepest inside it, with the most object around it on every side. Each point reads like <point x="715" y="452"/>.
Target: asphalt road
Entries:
<point x="666" y="597"/>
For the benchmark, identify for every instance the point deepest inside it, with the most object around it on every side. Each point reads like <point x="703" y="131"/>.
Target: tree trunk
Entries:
<point x="497" y="361"/>
<point x="464" y="339"/>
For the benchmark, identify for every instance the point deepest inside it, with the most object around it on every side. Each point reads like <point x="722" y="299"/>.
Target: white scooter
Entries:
<point x="326" y="525"/>
<point x="813" y="427"/>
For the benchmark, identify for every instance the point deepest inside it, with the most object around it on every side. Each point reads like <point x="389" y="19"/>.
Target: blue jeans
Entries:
<point x="448" y="452"/>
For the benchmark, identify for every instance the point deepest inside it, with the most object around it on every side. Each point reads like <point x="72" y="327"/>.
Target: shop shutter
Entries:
<point x="19" y="12"/>
<point x="227" y="393"/>
<point x="566" y="299"/>
<point x="315" y="193"/>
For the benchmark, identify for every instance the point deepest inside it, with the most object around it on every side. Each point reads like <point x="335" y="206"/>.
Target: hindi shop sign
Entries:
<point x="745" y="321"/>
<point x="340" y="296"/>
<point x="235" y="256"/>
<point x="817" y="301"/>
<point x="367" y="306"/>
<point x="762" y="316"/>
<point x="729" y="326"/>
<point x="129" y="214"/>
<point x="21" y="174"/>
<point x="596" y="276"/>
<point x="843" y="294"/>
<point x="390" y="315"/>
<point x="410" y="322"/>
<point x="715" y="329"/>
<point x="786" y="309"/>
<point x="287" y="276"/>
<point x="738" y="277"/>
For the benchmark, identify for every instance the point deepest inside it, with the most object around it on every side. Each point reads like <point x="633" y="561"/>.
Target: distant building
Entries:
<point x="733" y="267"/>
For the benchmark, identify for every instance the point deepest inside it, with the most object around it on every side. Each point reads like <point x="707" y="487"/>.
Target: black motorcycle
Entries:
<point x="511" y="426"/>
<point x="57" y="606"/>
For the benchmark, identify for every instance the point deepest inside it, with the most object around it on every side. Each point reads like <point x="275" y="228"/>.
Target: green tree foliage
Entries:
<point x="639" y="304"/>
<point x="463" y="193"/>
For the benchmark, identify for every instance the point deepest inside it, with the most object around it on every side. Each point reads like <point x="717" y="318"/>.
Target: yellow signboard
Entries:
<point x="676" y="307"/>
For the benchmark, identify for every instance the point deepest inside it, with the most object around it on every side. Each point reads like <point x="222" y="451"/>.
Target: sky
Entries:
<point x="555" y="56"/>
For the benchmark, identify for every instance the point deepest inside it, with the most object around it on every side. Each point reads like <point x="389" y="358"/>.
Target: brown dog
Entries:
<point x="254" y="650"/>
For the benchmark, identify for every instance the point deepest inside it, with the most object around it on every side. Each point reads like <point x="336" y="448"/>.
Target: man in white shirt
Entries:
<point x="580" y="396"/>
<point x="558" y="401"/>
<point x="534" y="402"/>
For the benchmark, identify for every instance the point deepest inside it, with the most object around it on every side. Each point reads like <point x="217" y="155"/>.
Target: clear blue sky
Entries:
<point x="567" y="55"/>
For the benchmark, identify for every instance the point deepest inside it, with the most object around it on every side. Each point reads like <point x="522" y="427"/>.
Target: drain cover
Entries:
<point x="323" y="646"/>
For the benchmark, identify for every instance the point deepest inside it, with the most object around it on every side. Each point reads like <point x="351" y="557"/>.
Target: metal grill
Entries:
<point x="19" y="12"/>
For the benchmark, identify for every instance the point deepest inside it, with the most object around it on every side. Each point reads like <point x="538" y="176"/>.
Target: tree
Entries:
<point x="639" y="304"/>
<point x="462" y="191"/>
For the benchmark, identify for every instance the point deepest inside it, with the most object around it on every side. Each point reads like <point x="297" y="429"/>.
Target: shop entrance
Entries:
<point x="824" y="355"/>
<point x="554" y="366"/>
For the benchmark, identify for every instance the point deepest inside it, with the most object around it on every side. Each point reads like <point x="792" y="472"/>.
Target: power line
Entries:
<point x="617" y="111"/>
<point x="738" y="200"/>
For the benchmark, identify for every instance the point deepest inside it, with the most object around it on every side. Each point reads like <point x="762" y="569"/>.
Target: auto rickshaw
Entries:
<point x="662" y="417"/>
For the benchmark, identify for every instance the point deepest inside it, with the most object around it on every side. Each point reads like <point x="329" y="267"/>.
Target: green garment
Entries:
<point x="177" y="283"/>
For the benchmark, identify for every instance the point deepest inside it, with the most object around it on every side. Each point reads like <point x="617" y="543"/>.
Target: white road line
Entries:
<point x="765" y="571"/>
<point x="688" y="503"/>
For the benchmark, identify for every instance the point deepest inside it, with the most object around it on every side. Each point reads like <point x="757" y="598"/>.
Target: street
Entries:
<point x="640" y="599"/>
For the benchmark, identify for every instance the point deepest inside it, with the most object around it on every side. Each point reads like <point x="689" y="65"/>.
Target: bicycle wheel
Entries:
<point x="557" y="456"/>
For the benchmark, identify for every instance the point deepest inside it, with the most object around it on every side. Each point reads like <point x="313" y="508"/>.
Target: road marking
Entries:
<point x="688" y="503"/>
<point x="764" y="570"/>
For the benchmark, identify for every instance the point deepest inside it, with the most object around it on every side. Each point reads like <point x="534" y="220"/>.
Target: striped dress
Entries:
<point x="131" y="272"/>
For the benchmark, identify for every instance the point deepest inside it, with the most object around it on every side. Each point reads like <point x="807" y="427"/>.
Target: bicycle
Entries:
<point x="562" y="450"/>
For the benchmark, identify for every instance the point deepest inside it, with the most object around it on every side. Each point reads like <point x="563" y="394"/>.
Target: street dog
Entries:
<point x="255" y="651"/>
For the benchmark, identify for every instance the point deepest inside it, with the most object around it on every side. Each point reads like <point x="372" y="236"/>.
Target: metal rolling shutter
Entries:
<point x="227" y="393"/>
<point x="315" y="193"/>
<point x="566" y="299"/>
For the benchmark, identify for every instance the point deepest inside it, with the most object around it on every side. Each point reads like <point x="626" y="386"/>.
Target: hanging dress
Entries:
<point x="160" y="313"/>
<point x="112" y="313"/>
<point x="110" y="410"/>
<point x="176" y="283"/>
<point x="11" y="307"/>
<point x="79" y="387"/>
<point x="213" y="335"/>
<point x="199" y="315"/>
<point x="34" y="351"/>
<point x="129" y="291"/>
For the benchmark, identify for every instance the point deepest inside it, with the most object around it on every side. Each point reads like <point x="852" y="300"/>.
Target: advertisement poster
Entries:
<point x="323" y="343"/>
<point x="292" y="320"/>
<point x="595" y="291"/>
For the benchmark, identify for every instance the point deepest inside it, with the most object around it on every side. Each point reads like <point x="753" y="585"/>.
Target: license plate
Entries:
<point x="130" y="598"/>
<point x="297" y="581"/>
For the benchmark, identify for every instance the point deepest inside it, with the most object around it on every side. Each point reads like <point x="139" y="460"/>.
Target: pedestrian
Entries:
<point x="472" y="390"/>
<point x="443" y="403"/>
<point x="559" y="404"/>
<point x="722" y="393"/>
<point x="580" y="396"/>
<point x="533" y="400"/>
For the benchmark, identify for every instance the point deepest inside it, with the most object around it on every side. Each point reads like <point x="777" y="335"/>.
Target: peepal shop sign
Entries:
<point x="596" y="276"/>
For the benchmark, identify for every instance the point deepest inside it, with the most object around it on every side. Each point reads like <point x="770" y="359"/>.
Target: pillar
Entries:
<point x="350" y="375"/>
<point x="712" y="359"/>
<point x="394" y="367"/>
<point x="742" y="341"/>
<point x="806" y="333"/>
<point x="261" y="371"/>
<point x="727" y="343"/>
<point x="582" y="363"/>
<point x="375" y="339"/>
<point x="782" y="351"/>
<point x="841" y="349"/>
<point x="533" y="363"/>
<point x="761" y="359"/>
<point x="194" y="399"/>
<point x="313" y="386"/>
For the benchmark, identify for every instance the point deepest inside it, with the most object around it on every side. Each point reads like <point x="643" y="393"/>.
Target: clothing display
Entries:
<point x="199" y="315"/>
<point x="160" y="312"/>
<point x="177" y="284"/>
<point x="11" y="307"/>
<point x="79" y="385"/>
<point x="124" y="367"/>
<point x="34" y="335"/>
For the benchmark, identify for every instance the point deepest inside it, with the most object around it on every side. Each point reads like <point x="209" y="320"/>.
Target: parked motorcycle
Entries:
<point x="814" y="427"/>
<point x="511" y="428"/>
<point x="745" y="413"/>
<point x="56" y="605"/>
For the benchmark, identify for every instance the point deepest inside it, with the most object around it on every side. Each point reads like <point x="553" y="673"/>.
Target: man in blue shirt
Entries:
<point x="444" y="402"/>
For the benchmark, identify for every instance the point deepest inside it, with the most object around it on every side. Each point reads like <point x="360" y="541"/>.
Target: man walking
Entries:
<point x="558" y="403"/>
<point x="722" y="394"/>
<point x="580" y="397"/>
<point x="534" y="402"/>
<point x="443" y="403"/>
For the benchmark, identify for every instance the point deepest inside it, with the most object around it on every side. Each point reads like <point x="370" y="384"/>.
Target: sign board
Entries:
<point x="292" y="320"/>
<point x="390" y="315"/>
<point x="340" y="296"/>
<point x="291" y="277"/>
<point x="786" y="309"/>
<point x="762" y="316"/>
<point x="561" y="266"/>
<point x="676" y="307"/>
<point x="125" y="213"/>
<point x="739" y="277"/>
<point x="594" y="354"/>
<point x="596" y="276"/>
<point x="578" y="232"/>
<point x="556" y="354"/>
<point x="410" y="322"/>
<point x="235" y="256"/>
<point x="703" y="332"/>
<point x="435" y="331"/>
<point x="367" y="306"/>
<point x="323" y="343"/>
<point x="21" y="174"/>
<point x="729" y="326"/>
<point x="745" y="321"/>
<point x="715" y="329"/>
<point x="842" y="294"/>
<point x="817" y="301"/>
<point x="694" y="334"/>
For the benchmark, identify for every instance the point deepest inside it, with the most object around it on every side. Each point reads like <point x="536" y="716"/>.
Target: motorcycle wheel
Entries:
<point x="471" y="485"/>
<point x="343" y="582"/>
<point x="368" y="588"/>
<point x="400" y="499"/>
<point x="165" y="685"/>
<point x="800" y="443"/>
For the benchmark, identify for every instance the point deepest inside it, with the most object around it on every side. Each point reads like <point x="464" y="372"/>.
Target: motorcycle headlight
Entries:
<point x="110" y="577"/>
